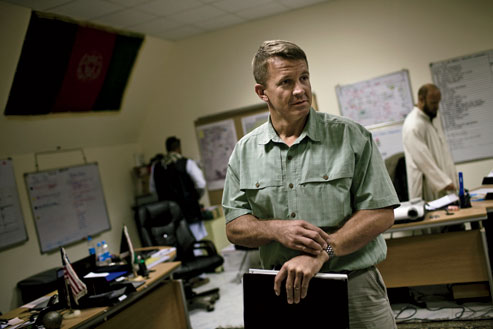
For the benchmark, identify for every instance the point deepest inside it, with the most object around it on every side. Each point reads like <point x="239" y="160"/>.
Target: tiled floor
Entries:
<point x="228" y="311"/>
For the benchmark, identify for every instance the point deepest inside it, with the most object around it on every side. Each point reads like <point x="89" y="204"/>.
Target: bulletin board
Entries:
<point x="466" y="108"/>
<point x="12" y="229"/>
<point x="217" y="135"/>
<point x="67" y="204"/>
<point x="384" y="99"/>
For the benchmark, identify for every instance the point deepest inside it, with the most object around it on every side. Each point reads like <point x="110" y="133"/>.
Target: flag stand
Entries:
<point x="73" y="286"/>
<point x="71" y="312"/>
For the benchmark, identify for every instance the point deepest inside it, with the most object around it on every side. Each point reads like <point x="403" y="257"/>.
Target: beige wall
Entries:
<point x="346" y="42"/>
<point x="23" y="260"/>
<point x="173" y="84"/>
<point x="110" y="139"/>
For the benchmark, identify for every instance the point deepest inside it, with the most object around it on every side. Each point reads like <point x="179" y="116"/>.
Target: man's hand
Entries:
<point x="449" y="187"/>
<point x="303" y="236"/>
<point x="298" y="272"/>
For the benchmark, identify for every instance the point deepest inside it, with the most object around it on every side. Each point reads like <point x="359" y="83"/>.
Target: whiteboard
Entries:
<point x="67" y="204"/>
<point x="12" y="229"/>
<point x="384" y="99"/>
<point x="388" y="139"/>
<point x="466" y="84"/>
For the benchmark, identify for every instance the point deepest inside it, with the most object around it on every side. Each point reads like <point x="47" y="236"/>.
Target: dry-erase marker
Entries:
<point x="461" y="184"/>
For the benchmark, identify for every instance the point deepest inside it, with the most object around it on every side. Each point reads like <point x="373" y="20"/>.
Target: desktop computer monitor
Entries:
<point x="127" y="252"/>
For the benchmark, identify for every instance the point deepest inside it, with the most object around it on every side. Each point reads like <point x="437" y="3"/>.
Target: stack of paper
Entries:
<point x="159" y="256"/>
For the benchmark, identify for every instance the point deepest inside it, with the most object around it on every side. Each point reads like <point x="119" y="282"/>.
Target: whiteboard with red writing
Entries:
<point x="68" y="205"/>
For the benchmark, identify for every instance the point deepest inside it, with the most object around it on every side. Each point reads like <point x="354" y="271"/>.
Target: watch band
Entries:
<point x="330" y="251"/>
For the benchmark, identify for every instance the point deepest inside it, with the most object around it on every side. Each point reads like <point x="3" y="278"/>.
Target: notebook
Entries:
<point x="326" y="303"/>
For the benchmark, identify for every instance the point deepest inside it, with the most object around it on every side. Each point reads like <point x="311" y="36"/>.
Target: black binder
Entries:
<point x="326" y="303"/>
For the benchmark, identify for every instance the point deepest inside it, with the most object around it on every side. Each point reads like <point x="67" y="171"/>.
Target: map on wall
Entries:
<point x="466" y="84"/>
<point x="251" y="122"/>
<point x="384" y="99"/>
<point x="216" y="142"/>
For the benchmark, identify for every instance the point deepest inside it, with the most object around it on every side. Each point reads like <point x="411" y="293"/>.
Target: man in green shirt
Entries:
<point x="310" y="190"/>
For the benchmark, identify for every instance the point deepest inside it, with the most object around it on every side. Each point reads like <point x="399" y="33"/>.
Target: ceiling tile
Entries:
<point x="124" y="18"/>
<point x="156" y="26"/>
<point x="168" y="7"/>
<point x="129" y="3"/>
<point x="39" y="5"/>
<point x="178" y="17"/>
<point x="219" y="22"/>
<point x="180" y="33"/>
<point x="267" y="10"/>
<point x="197" y="14"/>
<point x="86" y="9"/>
<point x="237" y="5"/>
<point x="299" y="3"/>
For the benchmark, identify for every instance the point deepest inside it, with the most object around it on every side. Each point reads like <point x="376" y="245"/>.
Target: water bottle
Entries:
<point x="99" y="254"/>
<point x="106" y="253"/>
<point x="90" y="245"/>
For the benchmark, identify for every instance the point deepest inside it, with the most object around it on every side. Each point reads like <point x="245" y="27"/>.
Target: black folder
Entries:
<point x="325" y="306"/>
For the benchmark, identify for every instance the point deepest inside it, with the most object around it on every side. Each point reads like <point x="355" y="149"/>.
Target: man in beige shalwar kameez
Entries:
<point x="431" y="172"/>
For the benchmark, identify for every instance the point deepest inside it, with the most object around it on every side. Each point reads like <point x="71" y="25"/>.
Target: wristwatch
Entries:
<point x="330" y="251"/>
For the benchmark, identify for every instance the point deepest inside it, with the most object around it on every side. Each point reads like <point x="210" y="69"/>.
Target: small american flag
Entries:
<point x="77" y="287"/>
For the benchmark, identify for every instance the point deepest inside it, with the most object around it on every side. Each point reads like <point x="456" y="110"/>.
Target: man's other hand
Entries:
<point x="298" y="272"/>
<point x="303" y="236"/>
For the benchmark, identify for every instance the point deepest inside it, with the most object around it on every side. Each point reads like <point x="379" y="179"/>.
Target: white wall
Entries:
<point x="173" y="84"/>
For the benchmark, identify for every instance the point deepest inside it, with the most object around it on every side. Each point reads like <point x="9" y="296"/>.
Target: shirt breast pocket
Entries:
<point x="329" y="194"/>
<point x="264" y="195"/>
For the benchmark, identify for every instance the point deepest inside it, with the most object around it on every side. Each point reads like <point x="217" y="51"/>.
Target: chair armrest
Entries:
<point x="206" y="245"/>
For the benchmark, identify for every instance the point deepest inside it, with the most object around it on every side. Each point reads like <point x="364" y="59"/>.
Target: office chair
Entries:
<point x="396" y="167"/>
<point x="162" y="224"/>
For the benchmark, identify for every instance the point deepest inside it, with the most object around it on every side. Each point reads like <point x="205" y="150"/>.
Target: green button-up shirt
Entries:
<point x="332" y="170"/>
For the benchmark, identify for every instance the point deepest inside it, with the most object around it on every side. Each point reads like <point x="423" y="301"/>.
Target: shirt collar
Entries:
<point x="310" y="130"/>
<point x="172" y="157"/>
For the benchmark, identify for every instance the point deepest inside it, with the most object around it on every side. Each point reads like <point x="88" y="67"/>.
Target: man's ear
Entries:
<point x="260" y="91"/>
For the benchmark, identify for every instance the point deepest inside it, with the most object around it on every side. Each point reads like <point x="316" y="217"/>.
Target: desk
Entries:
<point x="444" y="258"/>
<point x="159" y="303"/>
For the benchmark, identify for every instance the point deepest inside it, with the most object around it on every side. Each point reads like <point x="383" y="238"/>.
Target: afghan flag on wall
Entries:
<point x="68" y="67"/>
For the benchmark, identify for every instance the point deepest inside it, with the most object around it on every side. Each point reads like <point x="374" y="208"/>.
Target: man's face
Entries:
<point x="287" y="89"/>
<point x="431" y="103"/>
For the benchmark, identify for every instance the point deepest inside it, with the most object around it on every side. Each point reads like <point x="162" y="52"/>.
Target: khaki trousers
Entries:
<point x="369" y="305"/>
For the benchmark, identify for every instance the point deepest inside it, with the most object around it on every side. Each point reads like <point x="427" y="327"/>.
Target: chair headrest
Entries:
<point x="161" y="213"/>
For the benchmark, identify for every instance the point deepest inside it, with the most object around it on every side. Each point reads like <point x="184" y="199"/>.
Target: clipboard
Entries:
<point x="326" y="302"/>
